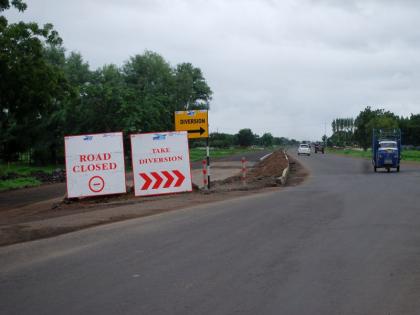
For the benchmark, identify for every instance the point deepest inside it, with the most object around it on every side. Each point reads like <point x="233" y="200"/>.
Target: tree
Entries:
<point x="45" y="93"/>
<point x="369" y="119"/>
<point x="191" y="91"/>
<point x="150" y="83"/>
<point x="267" y="139"/>
<point x="382" y="122"/>
<point x="30" y="87"/>
<point x="410" y="129"/>
<point x="18" y="4"/>
<point x="245" y="137"/>
<point x="221" y="140"/>
<point x="106" y="94"/>
<point x="363" y="133"/>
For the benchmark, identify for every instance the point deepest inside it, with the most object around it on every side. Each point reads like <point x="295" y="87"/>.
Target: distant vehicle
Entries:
<point x="319" y="147"/>
<point x="386" y="149"/>
<point x="304" y="149"/>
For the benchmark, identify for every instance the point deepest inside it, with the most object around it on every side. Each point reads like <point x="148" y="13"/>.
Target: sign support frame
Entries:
<point x="208" y="162"/>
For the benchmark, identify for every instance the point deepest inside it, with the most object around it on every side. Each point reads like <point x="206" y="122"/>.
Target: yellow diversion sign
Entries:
<point x="195" y="122"/>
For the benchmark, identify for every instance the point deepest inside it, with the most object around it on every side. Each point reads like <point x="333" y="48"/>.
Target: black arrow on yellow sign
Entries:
<point x="201" y="131"/>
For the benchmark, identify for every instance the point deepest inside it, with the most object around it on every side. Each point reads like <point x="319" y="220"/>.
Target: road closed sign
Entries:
<point x="161" y="163"/>
<point x="95" y="164"/>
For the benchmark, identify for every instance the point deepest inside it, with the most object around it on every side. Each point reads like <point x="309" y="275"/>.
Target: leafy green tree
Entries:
<point x="267" y="139"/>
<point x="245" y="137"/>
<point x="369" y="119"/>
<point x="191" y="89"/>
<point x="50" y="146"/>
<point x="343" y="130"/>
<point x="30" y="87"/>
<point x="150" y="84"/>
<point x="382" y="122"/>
<point x="221" y="140"/>
<point x="410" y="128"/>
<point x="106" y="95"/>
<point x="156" y="91"/>
<point x="363" y="132"/>
<point x="45" y="93"/>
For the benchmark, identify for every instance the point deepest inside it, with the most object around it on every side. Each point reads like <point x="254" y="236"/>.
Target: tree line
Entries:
<point x="245" y="138"/>
<point x="47" y="93"/>
<point x="358" y="131"/>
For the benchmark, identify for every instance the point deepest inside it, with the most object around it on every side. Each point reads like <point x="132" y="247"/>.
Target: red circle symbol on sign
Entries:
<point x="96" y="184"/>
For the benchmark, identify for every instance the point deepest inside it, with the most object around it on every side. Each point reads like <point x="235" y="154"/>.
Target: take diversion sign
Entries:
<point x="95" y="164"/>
<point x="195" y="122"/>
<point x="161" y="163"/>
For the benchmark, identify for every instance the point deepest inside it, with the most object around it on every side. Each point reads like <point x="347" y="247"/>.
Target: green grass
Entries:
<point x="411" y="155"/>
<point x="25" y="169"/>
<point x="407" y="155"/>
<point x="351" y="152"/>
<point x="20" y="182"/>
<point x="198" y="154"/>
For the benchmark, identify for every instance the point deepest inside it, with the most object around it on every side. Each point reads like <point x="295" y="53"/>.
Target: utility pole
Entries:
<point x="325" y="134"/>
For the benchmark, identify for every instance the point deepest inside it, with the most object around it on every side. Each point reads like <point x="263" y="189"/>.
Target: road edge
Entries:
<point x="283" y="178"/>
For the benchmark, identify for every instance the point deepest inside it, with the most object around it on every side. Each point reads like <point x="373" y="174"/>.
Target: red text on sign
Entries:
<point x="92" y="167"/>
<point x="160" y="150"/>
<point x="161" y="160"/>
<point x="95" y="157"/>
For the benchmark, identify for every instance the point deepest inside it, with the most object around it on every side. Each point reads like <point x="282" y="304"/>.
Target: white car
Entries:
<point x="304" y="149"/>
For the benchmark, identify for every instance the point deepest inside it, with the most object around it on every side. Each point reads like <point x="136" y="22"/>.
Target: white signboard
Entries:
<point x="161" y="163"/>
<point x="95" y="164"/>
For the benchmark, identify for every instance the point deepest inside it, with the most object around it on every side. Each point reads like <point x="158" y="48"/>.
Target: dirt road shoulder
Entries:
<point x="44" y="219"/>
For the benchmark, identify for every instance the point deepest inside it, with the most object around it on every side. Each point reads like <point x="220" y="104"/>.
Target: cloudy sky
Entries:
<point x="287" y="67"/>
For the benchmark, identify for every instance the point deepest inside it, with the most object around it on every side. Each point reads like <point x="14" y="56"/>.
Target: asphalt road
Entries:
<point x="345" y="242"/>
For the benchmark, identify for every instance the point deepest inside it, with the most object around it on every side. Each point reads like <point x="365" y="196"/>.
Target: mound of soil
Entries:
<point x="263" y="174"/>
<point x="270" y="167"/>
<point x="57" y="176"/>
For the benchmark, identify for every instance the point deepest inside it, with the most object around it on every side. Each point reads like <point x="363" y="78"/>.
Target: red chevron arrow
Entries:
<point x="158" y="180"/>
<point x="147" y="179"/>
<point x="169" y="178"/>
<point x="180" y="178"/>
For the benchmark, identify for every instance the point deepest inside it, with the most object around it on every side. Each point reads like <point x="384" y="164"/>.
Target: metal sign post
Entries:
<point x="204" y="173"/>
<point x="243" y="161"/>
<point x="208" y="163"/>
<point x="196" y="123"/>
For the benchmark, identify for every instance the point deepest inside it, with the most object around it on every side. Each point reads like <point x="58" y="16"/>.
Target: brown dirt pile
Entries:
<point x="263" y="174"/>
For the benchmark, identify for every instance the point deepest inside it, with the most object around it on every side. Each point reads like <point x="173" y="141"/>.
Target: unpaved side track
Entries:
<point x="22" y="197"/>
<point x="54" y="217"/>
